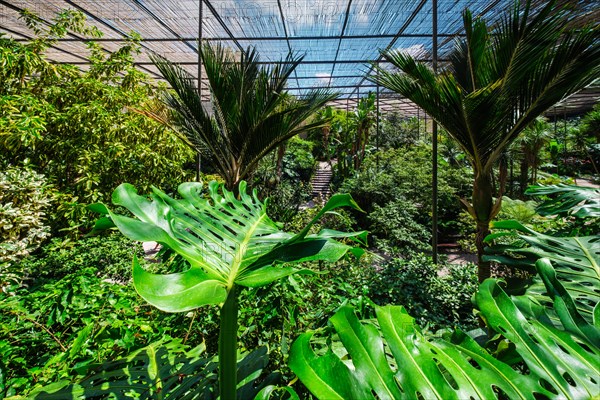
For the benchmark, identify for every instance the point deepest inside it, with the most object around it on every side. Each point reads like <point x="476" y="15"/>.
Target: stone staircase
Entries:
<point x="321" y="180"/>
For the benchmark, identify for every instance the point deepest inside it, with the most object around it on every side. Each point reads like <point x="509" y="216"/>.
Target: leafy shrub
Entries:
<point x="287" y="198"/>
<point x="65" y="326"/>
<point x="298" y="161"/>
<point x="398" y="131"/>
<point x="24" y="199"/>
<point x="522" y="211"/>
<point x="275" y="315"/>
<point x="77" y="127"/>
<point x="110" y="256"/>
<point x="436" y="295"/>
<point x="397" y="174"/>
<point x="395" y="228"/>
<point x="340" y="220"/>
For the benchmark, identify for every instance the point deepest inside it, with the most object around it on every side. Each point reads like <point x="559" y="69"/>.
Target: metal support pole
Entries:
<point x="418" y="124"/>
<point x="199" y="156"/>
<point x="377" y="121"/>
<point x="565" y="138"/>
<point x="355" y="145"/>
<point x="434" y="149"/>
<point x="556" y="137"/>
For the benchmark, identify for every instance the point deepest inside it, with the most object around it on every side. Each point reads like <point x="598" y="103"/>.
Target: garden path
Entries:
<point x="321" y="180"/>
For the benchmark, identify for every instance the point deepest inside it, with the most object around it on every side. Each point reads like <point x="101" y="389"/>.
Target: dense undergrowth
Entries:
<point x="69" y="309"/>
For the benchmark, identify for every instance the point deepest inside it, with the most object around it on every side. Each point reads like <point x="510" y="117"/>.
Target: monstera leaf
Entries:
<point x="576" y="259"/>
<point x="392" y="359"/>
<point x="578" y="201"/>
<point x="162" y="370"/>
<point x="226" y="241"/>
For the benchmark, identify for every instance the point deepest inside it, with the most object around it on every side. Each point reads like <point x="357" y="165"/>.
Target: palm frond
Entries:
<point x="249" y="115"/>
<point x="498" y="82"/>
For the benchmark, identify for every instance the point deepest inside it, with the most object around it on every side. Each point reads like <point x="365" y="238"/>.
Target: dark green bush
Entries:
<point x="436" y="295"/>
<point x="396" y="179"/>
<point x="109" y="255"/>
<point x="65" y="326"/>
<point x="298" y="161"/>
<point x="394" y="227"/>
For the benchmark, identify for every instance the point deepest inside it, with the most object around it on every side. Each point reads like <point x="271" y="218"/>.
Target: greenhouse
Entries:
<point x="290" y="199"/>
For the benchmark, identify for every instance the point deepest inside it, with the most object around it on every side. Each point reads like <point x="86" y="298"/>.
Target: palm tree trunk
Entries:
<point x="280" y="154"/>
<point x="524" y="169"/>
<point x="482" y="206"/>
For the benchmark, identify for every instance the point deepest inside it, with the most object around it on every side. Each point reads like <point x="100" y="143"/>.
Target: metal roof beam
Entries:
<point x="287" y="37"/>
<point x="329" y="87"/>
<point x="161" y="23"/>
<point x="264" y="38"/>
<point x="397" y="36"/>
<point x="222" y="23"/>
<point x="74" y="36"/>
<point x="337" y="52"/>
<point x="283" y="62"/>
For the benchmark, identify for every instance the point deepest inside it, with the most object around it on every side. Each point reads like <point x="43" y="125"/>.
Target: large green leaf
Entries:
<point x="160" y="370"/>
<point x="579" y="201"/>
<point x="163" y="370"/>
<point x="396" y="360"/>
<point x="226" y="240"/>
<point x="576" y="259"/>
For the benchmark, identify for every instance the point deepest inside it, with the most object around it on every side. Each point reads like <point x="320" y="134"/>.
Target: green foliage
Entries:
<point x="340" y="220"/>
<point x="438" y="296"/>
<point x="576" y="259"/>
<point x="25" y="197"/>
<point x="75" y="126"/>
<point x="298" y="161"/>
<point x="271" y="316"/>
<point x="109" y="254"/>
<point x="398" y="182"/>
<point x="576" y="201"/>
<point x="395" y="228"/>
<point x="364" y="117"/>
<point x="519" y="210"/>
<point x="288" y="192"/>
<point x="166" y="369"/>
<point x="229" y="243"/>
<point x="392" y="358"/>
<point x="286" y="199"/>
<point x="496" y="84"/>
<point x="333" y="139"/>
<point x="62" y="328"/>
<point x="590" y="124"/>
<point x="396" y="131"/>
<point x="165" y="366"/>
<point x="226" y="242"/>
<point x="531" y="143"/>
<point x="252" y="113"/>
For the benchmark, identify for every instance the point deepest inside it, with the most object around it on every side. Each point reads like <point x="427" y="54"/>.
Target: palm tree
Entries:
<point x="249" y="114"/>
<point x="497" y="82"/>
<point x="531" y="142"/>
<point x="364" y="116"/>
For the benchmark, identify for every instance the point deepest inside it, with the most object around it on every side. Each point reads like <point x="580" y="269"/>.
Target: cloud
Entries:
<point x="416" y="50"/>
<point x="323" y="77"/>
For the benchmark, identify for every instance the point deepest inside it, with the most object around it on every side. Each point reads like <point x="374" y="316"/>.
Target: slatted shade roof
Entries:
<point x="339" y="39"/>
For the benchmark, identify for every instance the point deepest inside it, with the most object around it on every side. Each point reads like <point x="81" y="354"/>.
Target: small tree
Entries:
<point x="498" y="82"/>
<point x="249" y="115"/>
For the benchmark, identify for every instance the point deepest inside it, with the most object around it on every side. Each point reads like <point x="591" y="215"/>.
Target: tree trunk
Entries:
<point x="280" y="154"/>
<point x="524" y="176"/>
<point x="482" y="207"/>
